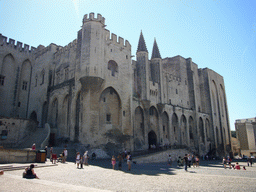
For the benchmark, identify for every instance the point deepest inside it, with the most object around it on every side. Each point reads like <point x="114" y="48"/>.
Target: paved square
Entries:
<point x="210" y="176"/>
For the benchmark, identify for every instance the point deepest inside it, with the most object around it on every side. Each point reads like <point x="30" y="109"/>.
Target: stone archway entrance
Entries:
<point x="152" y="139"/>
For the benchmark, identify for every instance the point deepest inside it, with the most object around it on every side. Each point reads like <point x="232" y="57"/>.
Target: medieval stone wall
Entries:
<point x="91" y="92"/>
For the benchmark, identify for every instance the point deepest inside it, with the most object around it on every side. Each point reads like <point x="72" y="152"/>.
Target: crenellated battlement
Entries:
<point x="62" y="50"/>
<point x="92" y="18"/>
<point x="113" y="40"/>
<point x="18" y="45"/>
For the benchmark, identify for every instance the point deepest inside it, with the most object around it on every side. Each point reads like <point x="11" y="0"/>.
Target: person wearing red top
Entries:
<point x="237" y="166"/>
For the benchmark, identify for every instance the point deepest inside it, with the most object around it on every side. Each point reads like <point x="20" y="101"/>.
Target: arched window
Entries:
<point x="113" y="67"/>
<point x="42" y="73"/>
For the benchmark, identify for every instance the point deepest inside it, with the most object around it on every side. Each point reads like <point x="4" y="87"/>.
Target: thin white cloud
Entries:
<point x="76" y="4"/>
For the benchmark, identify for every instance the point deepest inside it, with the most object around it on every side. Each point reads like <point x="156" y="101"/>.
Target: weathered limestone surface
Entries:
<point x="92" y="86"/>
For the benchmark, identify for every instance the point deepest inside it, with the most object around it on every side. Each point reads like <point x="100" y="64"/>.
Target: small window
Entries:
<point x="108" y="117"/>
<point x="151" y="112"/>
<point x="4" y="134"/>
<point x="163" y="128"/>
<point x="174" y="129"/>
<point x="2" y="80"/>
<point x="36" y="82"/>
<point x="176" y="91"/>
<point x="24" y="85"/>
<point x="126" y="56"/>
<point x="58" y="78"/>
<point x="104" y="99"/>
<point x="66" y="73"/>
<point x="43" y="73"/>
<point x="123" y="113"/>
<point x="18" y="104"/>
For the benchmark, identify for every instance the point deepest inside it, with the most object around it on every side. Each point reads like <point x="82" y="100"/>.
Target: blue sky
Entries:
<point x="217" y="34"/>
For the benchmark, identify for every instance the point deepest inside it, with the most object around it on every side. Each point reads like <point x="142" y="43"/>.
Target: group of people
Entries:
<point x="120" y="158"/>
<point x="187" y="161"/>
<point x="228" y="160"/>
<point x="82" y="159"/>
<point x="54" y="158"/>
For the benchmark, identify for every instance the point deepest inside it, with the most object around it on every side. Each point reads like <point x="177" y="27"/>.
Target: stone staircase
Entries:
<point x="37" y="137"/>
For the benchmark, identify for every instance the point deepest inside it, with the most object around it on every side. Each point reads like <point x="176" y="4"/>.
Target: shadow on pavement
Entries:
<point x="152" y="169"/>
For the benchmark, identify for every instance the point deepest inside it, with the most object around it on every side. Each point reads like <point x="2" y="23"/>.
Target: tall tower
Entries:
<point x="156" y="69"/>
<point x="92" y="47"/>
<point x="142" y="67"/>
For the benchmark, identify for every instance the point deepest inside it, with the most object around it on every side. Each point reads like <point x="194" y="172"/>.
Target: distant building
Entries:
<point x="92" y="86"/>
<point x="246" y="134"/>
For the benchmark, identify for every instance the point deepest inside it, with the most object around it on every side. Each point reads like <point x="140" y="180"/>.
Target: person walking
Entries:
<point x="65" y="155"/>
<point x="170" y="160"/>
<point x="77" y="159"/>
<point x="193" y="161"/>
<point x="120" y="160"/>
<point x="197" y="161"/>
<point x="129" y="161"/>
<point x="85" y="158"/>
<point x="189" y="160"/>
<point x="185" y="159"/>
<point x="51" y="152"/>
<point x="229" y="162"/>
<point x="224" y="161"/>
<point x="113" y="161"/>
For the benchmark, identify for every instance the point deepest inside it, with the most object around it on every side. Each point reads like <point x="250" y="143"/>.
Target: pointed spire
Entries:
<point x="142" y="45"/>
<point x="155" y="52"/>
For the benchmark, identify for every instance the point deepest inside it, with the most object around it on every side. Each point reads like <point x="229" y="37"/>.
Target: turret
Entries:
<point x="142" y="68"/>
<point x="91" y="39"/>
<point x="156" y="69"/>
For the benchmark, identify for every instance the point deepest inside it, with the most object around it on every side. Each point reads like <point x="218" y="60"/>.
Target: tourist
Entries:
<point x="249" y="161"/>
<point x="81" y="162"/>
<point x="29" y="172"/>
<point x="113" y="161"/>
<point x="85" y="158"/>
<point x="65" y="155"/>
<point x="77" y="159"/>
<point x="170" y="160"/>
<point x="197" y="161"/>
<point x="33" y="147"/>
<point x="189" y="160"/>
<point x="229" y="162"/>
<point x="45" y="148"/>
<point x="51" y="152"/>
<point x="185" y="160"/>
<point x="179" y="161"/>
<point x="125" y="153"/>
<point x="129" y="161"/>
<point x="193" y="161"/>
<point x="93" y="156"/>
<point x="224" y="161"/>
<point x="237" y="167"/>
<point x="120" y="159"/>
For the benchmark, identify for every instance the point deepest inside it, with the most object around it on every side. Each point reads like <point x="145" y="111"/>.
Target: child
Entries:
<point x="81" y="162"/>
<point x="77" y="159"/>
<point x="113" y="161"/>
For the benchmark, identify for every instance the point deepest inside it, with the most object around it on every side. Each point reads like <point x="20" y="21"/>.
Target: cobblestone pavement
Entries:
<point x="210" y="176"/>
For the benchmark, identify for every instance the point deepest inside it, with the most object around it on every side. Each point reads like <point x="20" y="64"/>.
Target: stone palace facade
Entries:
<point x="92" y="86"/>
